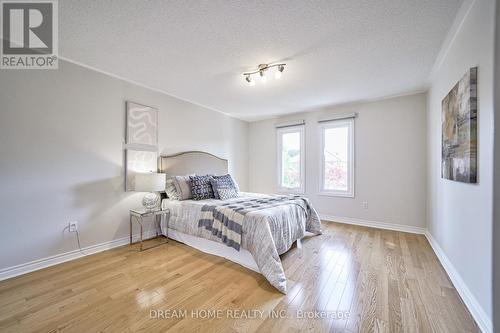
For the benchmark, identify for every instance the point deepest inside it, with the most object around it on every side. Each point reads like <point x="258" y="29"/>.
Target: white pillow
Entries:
<point x="183" y="187"/>
<point x="171" y="191"/>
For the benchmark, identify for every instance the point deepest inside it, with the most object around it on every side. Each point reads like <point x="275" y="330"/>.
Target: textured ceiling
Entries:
<point x="337" y="51"/>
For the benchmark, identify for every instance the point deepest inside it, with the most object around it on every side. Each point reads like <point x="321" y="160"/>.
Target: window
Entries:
<point x="337" y="158"/>
<point x="291" y="159"/>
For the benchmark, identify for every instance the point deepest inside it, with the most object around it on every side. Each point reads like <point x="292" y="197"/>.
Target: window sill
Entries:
<point x="337" y="194"/>
<point x="284" y="191"/>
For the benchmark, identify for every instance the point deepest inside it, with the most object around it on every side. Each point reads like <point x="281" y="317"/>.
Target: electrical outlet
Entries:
<point x="73" y="226"/>
<point x="365" y="204"/>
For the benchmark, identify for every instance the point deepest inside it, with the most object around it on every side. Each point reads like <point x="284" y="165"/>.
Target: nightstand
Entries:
<point x="138" y="214"/>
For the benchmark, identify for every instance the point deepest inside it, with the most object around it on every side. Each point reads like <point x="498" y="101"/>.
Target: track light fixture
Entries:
<point x="261" y="71"/>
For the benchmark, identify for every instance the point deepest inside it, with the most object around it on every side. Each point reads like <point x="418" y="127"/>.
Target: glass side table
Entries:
<point x="139" y="214"/>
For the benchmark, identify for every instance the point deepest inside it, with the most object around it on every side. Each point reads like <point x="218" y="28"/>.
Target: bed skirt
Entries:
<point x="242" y="257"/>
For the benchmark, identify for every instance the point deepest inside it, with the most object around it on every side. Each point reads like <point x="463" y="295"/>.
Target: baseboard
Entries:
<point x="482" y="319"/>
<point x="374" y="224"/>
<point x="10" y="272"/>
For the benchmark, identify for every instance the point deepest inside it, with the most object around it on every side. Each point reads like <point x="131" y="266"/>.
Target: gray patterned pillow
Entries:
<point x="201" y="187"/>
<point x="236" y="186"/>
<point x="171" y="191"/>
<point x="227" y="193"/>
<point x="183" y="187"/>
<point x="219" y="182"/>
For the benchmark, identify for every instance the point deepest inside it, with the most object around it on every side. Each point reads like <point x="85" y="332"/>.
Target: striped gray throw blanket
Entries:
<point x="225" y="221"/>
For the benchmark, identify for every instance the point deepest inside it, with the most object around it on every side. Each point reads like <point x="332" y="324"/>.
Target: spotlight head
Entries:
<point x="263" y="77"/>
<point x="248" y="79"/>
<point x="280" y="69"/>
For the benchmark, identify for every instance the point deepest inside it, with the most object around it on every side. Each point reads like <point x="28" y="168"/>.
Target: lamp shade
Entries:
<point x="149" y="182"/>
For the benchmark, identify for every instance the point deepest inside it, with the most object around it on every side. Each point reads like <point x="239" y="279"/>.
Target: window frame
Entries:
<point x="279" y="146"/>
<point x="351" y="163"/>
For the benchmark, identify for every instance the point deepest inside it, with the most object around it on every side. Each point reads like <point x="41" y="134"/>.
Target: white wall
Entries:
<point x="496" y="168"/>
<point x="390" y="160"/>
<point x="61" y="156"/>
<point x="459" y="214"/>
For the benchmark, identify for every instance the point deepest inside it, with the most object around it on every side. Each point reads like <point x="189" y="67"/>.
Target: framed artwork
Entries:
<point x="142" y="125"/>
<point x="138" y="161"/>
<point x="459" y="130"/>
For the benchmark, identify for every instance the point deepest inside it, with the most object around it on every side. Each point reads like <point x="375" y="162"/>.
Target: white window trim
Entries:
<point x="279" y="146"/>
<point x="351" y="167"/>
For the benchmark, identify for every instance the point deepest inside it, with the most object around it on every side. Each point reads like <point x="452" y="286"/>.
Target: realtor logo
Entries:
<point x="29" y="34"/>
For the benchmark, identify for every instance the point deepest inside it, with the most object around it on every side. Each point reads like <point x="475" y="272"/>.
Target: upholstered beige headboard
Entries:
<point x="192" y="162"/>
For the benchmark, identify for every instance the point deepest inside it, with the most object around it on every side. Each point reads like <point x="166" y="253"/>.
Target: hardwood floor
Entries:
<point x="359" y="279"/>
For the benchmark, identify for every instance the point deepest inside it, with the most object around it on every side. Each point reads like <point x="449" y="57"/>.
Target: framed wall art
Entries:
<point x="142" y="125"/>
<point x="459" y="130"/>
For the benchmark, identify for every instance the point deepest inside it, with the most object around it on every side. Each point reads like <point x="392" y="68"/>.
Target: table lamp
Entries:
<point x="152" y="183"/>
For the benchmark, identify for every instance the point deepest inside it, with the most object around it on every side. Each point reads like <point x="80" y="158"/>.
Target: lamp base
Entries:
<point x="151" y="201"/>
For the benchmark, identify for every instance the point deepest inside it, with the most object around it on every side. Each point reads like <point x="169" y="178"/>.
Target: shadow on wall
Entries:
<point x="69" y="183"/>
<point x="98" y="196"/>
<point x="103" y="204"/>
<point x="106" y="205"/>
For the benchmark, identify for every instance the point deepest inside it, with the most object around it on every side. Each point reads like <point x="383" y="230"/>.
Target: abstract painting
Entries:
<point x="142" y="125"/>
<point x="459" y="130"/>
<point x="138" y="161"/>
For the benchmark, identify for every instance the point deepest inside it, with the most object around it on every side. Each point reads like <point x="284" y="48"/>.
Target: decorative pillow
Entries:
<point x="227" y="193"/>
<point x="201" y="187"/>
<point x="236" y="186"/>
<point x="219" y="182"/>
<point x="171" y="191"/>
<point x="183" y="187"/>
<point x="225" y="181"/>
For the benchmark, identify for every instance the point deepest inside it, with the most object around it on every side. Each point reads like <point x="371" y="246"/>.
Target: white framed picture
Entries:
<point x="142" y="125"/>
<point x="138" y="161"/>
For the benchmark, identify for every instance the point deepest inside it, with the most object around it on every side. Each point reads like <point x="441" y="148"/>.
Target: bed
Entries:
<point x="266" y="233"/>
